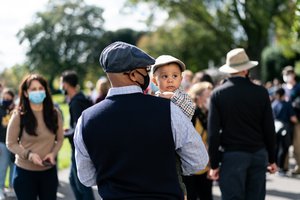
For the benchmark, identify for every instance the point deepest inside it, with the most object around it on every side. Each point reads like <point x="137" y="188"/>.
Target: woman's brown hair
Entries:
<point x="28" y="120"/>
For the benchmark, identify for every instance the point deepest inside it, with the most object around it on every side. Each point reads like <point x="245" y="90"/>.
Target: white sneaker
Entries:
<point x="10" y="192"/>
<point x="2" y="197"/>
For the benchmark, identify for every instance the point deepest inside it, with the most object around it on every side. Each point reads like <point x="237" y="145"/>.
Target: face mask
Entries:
<point x="62" y="90"/>
<point x="153" y="87"/>
<point x="287" y="78"/>
<point x="146" y="81"/>
<point x="6" y="103"/>
<point x="37" y="97"/>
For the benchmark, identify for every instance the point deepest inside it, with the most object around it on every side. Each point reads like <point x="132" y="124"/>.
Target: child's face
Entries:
<point x="168" y="77"/>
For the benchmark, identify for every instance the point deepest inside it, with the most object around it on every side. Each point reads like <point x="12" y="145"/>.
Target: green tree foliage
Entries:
<point x="237" y="23"/>
<point x="11" y="77"/>
<point x="64" y="37"/>
<point x="273" y="62"/>
<point x="188" y="41"/>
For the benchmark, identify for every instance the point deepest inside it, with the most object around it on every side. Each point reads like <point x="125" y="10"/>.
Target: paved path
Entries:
<point x="278" y="188"/>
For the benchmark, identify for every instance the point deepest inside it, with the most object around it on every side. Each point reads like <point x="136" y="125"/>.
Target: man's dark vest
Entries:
<point x="129" y="140"/>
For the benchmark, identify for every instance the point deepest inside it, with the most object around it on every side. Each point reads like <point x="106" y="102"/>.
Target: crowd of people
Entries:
<point x="202" y="130"/>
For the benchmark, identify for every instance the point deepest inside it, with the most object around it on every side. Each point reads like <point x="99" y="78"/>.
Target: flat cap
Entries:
<point x="121" y="57"/>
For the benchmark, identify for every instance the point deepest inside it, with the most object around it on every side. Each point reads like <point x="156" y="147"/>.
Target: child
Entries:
<point x="167" y="76"/>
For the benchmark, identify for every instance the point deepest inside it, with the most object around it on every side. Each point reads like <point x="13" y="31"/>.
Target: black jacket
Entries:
<point x="76" y="106"/>
<point x="240" y="119"/>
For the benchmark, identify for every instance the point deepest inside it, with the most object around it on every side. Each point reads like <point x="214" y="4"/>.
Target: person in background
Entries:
<point x="115" y="146"/>
<point x="102" y="86"/>
<point x="35" y="135"/>
<point x="78" y="102"/>
<point x="7" y="105"/>
<point x="285" y="117"/>
<point x="292" y="94"/>
<point x="198" y="185"/>
<point x="187" y="77"/>
<point x="201" y="77"/>
<point x="241" y="132"/>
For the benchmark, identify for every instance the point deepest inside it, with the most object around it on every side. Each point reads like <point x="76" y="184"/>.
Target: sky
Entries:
<point x="15" y="14"/>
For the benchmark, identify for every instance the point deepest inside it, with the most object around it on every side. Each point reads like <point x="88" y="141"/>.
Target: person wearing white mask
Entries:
<point x="292" y="93"/>
<point x="35" y="135"/>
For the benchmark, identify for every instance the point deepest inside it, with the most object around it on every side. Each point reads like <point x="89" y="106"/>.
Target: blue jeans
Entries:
<point x="243" y="175"/>
<point x="80" y="191"/>
<point x="33" y="184"/>
<point x="5" y="161"/>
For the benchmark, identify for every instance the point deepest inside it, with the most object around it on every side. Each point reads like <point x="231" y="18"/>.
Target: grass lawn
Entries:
<point x="64" y="155"/>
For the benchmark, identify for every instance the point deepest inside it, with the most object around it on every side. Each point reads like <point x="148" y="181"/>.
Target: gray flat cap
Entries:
<point x="121" y="57"/>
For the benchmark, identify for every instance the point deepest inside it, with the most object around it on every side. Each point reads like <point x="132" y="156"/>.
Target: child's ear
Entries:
<point x="154" y="80"/>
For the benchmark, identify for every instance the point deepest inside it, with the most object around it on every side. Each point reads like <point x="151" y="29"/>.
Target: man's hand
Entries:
<point x="272" y="168"/>
<point x="213" y="174"/>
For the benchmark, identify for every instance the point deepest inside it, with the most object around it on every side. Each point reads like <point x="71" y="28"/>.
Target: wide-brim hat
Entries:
<point x="167" y="59"/>
<point x="237" y="61"/>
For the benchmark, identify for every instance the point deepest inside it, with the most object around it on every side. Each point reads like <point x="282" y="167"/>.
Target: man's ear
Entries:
<point x="132" y="76"/>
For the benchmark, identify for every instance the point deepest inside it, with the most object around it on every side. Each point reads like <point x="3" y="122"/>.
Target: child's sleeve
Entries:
<point x="184" y="102"/>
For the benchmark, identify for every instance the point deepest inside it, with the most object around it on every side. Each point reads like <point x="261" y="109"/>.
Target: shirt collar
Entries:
<point x="124" y="90"/>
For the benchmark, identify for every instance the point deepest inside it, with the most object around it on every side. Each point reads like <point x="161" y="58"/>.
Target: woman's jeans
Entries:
<point x="33" y="184"/>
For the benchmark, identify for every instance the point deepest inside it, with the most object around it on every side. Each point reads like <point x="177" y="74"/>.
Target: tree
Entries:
<point x="249" y="22"/>
<point x="196" y="48"/>
<point x="11" y="77"/>
<point x="64" y="37"/>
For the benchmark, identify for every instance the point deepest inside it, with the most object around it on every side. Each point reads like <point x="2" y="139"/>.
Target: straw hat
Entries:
<point x="237" y="61"/>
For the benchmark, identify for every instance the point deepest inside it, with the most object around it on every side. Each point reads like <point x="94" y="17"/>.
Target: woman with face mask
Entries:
<point x="7" y="105"/>
<point x="35" y="135"/>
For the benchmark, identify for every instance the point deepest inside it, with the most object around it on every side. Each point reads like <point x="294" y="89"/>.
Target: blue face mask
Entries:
<point x="37" y="97"/>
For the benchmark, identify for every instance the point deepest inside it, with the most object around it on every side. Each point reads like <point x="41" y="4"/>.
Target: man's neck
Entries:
<point x="240" y="74"/>
<point x="72" y="92"/>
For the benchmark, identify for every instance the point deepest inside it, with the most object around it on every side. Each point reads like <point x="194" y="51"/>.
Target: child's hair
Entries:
<point x="280" y="92"/>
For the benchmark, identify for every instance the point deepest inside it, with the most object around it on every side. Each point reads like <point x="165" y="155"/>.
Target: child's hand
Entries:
<point x="167" y="95"/>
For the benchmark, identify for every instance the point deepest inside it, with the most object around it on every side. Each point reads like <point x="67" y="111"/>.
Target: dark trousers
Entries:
<point x="243" y="175"/>
<point x="31" y="185"/>
<point x="282" y="149"/>
<point x="80" y="191"/>
<point x="198" y="186"/>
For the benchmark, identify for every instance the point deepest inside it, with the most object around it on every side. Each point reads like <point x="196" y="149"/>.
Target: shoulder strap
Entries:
<point x="21" y="128"/>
